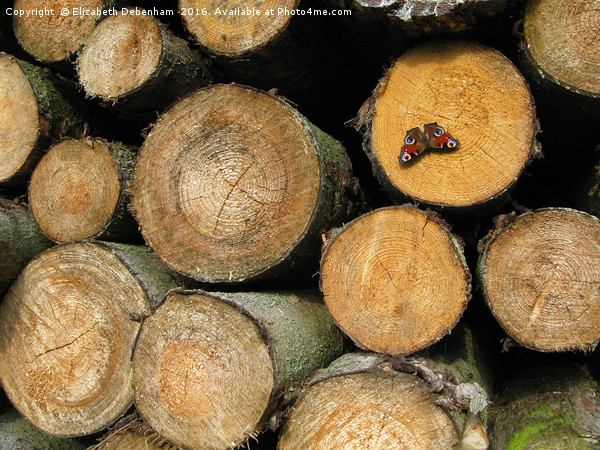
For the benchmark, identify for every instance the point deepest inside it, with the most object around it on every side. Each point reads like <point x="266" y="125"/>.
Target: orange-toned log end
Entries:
<point x="474" y="93"/>
<point x="20" y="121"/>
<point x="540" y="276"/>
<point x="232" y="35"/>
<point x="55" y="29"/>
<point x="203" y="374"/>
<point x="75" y="190"/>
<point x="562" y="41"/>
<point x="368" y="410"/>
<point x="244" y="188"/>
<point x="395" y="280"/>
<point x="67" y="337"/>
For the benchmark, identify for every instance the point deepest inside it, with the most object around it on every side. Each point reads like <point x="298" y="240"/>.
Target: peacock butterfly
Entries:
<point x="417" y="141"/>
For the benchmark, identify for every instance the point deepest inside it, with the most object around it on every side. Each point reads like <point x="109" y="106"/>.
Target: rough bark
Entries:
<point x="37" y="108"/>
<point x="474" y="93"/>
<point x="54" y="30"/>
<point x="69" y="325"/>
<point x="395" y="280"/>
<point x="18" y="434"/>
<point x="20" y="241"/>
<point x="552" y="405"/>
<point x="77" y="191"/>
<point x="403" y="22"/>
<point x="211" y="368"/>
<point x="539" y="275"/>
<point x="133" y="62"/>
<point x="364" y="400"/>
<point x="249" y="186"/>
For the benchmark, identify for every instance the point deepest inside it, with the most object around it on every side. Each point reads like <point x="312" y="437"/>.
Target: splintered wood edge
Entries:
<point x="222" y="29"/>
<point x="362" y="409"/>
<point x="562" y="41"/>
<point x="442" y="82"/>
<point x="19" y="118"/>
<point x="381" y="299"/>
<point x="246" y="169"/>
<point x="75" y="189"/>
<point x="54" y="37"/>
<point x="122" y="53"/>
<point x="66" y="354"/>
<point x="543" y="295"/>
<point x="206" y="381"/>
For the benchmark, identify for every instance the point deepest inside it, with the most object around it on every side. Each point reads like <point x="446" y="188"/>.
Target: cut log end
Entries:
<point x="224" y="28"/>
<point x="242" y="183"/>
<point x="474" y="93"/>
<point x="122" y="54"/>
<point x="395" y="280"/>
<point x="75" y="190"/>
<point x="203" y="374"/>
<point x="67" y="347"/>
<point x="54" y="37"/>
<point x="20" y="120"/>
<point x="367" y="410"/>
<point x="541" y="277"/>
<point x="562" y="40"/>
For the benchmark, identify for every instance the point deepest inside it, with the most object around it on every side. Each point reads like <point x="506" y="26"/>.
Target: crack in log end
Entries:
<point x="60" y="347"/>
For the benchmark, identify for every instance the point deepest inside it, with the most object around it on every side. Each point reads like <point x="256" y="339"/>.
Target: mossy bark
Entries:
<point x="296" y="354"/>
<point x="20" y="240"/>
<point x="552" y="405"/>
<point x="17" y="433"/>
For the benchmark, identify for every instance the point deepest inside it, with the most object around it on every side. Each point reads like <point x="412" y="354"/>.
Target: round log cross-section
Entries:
<point x="472" y="92"/>
<point x="395" y="280"/>
<point x="563" y="43"/>
<point x="225" y="28"/>
<point x="357" y="403"/>
<point x="77" y="190"/>
<point x="541" y="278"/>
<point x="209" y="368"/>
<point x="133" y="62"/>
<point x="56" y="29"/>
<point x="69" y="325"/>
<point x="244" y="188"/>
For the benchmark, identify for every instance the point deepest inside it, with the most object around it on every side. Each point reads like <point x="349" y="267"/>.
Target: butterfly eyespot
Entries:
<point x="410" y="140"/>
<point x="438" y="132"/>
<point x="405" y="158"/>
<point x="451" y="144"/>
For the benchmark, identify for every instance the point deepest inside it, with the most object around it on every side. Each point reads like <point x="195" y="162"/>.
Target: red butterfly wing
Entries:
<point x="438" y="138"/>
<point x="414" y="143"/>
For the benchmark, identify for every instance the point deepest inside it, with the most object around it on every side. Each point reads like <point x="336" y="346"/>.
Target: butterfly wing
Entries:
<point x="438" y="138"/>
<point x="414" y="143"/>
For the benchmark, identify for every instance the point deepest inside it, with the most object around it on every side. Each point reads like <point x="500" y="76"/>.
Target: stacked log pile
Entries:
<point x="313" y="224"/>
